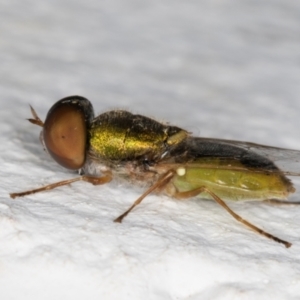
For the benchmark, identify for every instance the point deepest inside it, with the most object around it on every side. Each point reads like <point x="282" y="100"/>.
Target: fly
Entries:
<point x="166" y="158"/>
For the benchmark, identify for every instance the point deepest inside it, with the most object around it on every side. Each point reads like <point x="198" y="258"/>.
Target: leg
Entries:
<point x="281" y="202"/>
<point x="94" y="180"/>
<point x="162" y="181"/>
<point x="195" y="192"/>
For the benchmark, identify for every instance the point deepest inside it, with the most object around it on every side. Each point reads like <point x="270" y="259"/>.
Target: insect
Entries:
<point x="167" y="158"/>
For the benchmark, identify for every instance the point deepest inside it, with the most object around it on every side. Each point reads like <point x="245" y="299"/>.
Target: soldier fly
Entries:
<point x="165" y="158"/>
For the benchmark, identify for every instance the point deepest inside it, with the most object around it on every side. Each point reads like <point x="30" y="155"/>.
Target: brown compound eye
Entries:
<point x="65" y="131"/>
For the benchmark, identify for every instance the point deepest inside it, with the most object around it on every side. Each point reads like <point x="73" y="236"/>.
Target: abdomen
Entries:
<point x="234" y="184"/>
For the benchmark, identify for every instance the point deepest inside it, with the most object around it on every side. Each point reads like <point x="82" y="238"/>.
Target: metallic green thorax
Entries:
<point x="120" y="135"/>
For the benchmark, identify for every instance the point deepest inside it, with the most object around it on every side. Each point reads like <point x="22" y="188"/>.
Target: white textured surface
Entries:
<point x="226" y="69"/>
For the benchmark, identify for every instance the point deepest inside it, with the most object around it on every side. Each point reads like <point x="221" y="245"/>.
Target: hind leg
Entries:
<point x="203" y="189"/>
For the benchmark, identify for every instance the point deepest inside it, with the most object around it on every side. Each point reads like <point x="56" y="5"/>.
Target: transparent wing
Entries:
<point x="288" y="161"/>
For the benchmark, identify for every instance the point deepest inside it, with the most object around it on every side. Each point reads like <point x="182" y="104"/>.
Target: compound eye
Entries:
<point x="65" y="131"/>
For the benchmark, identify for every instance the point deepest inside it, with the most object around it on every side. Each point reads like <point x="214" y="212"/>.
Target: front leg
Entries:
<point x="91" y="179"/>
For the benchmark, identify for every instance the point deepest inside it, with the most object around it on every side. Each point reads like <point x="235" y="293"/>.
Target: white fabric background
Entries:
<point x="226" y="69"/>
